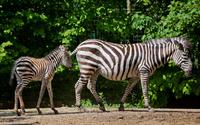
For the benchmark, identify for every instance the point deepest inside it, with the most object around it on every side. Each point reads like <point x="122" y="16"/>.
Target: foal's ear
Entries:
<point x="179" y="45"/>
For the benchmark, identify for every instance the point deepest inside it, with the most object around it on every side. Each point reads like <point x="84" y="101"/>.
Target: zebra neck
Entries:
<point x="167" y="54"/>
<point x="54" y="59"/>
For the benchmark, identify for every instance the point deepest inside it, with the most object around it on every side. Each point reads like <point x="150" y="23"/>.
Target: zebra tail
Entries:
<point x="74" y="52"/>
<point x="13" y="80"/>
<point x="77" y="48"/>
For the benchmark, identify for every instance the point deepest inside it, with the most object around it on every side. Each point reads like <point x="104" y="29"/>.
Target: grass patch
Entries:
<point x="89" y="104"/>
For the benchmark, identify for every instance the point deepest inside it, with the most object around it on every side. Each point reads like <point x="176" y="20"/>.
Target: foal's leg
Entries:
<point x="21" y="100"/>
<point x="16" y="100"/>
<point x="49" y="88"/>
<point x="42" y="90"/>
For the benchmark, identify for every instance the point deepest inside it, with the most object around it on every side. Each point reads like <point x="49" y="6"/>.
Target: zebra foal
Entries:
<point x="132" y="62"/>
<point x="27" y="69"/>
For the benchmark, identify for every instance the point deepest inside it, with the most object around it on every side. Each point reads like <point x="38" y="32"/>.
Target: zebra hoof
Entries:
<point x="102" y="109"/>
<point x="80" y="109"/>
<point x="22" y="113"/>
<point x="121" y="108"/>
<point x="18" y="113"/>
<point x="55" y="111"/>
<point x="39" y="111"/>
<point x="151" y="110"/>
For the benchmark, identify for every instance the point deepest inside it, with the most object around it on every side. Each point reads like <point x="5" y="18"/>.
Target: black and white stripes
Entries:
<point x="27" y="69"/>
<point x="127" y="61"/>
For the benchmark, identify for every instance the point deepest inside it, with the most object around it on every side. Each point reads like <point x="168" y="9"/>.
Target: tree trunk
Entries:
<point x="128" y="4"/>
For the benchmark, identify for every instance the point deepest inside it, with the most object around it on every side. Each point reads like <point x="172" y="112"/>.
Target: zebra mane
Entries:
<point x="185" y="42"/>
<point x="50" y="53"/>
<point x="53" y="53"/>
<point x="182" y="40"/>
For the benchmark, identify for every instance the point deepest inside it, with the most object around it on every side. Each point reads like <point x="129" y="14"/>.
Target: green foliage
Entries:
<point x="182" y="20"/>
<point x="87" y="103"/>
<point x="3" y="52"/>
<point x="140" y="21"/>
<point x="170" y="81"/>
<point x="181" y="17"/>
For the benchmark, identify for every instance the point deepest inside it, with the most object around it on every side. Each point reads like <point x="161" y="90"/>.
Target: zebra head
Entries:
<point x="182" y="56"/>
<point x="66" y="59"/>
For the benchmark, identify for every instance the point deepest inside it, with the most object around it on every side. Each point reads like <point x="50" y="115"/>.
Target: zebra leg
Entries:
<point x="21" y="100"/>
<point x="128" y="90"/>
<point x="42" y="90"/>
<point x="16" y="100"/>
<point x="49" y="88"/>
<point x="78" y="89"/>
<point x="92" y="87"/>
<point x="144" y="77"/>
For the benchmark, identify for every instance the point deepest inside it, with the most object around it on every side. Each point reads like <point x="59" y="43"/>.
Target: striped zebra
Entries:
<point x="27" y="69"/>
<point x="132" y="62"/>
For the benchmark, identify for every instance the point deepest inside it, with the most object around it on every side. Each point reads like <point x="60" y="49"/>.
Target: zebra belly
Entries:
<point x="37" y="78"/>
<point x="116" y="76"/>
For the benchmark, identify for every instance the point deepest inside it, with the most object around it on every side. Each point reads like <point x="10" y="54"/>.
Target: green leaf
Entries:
<point x="3" y="52"/>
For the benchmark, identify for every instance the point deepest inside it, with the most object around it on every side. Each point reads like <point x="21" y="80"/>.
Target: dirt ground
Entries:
<point x="72" y="116"/>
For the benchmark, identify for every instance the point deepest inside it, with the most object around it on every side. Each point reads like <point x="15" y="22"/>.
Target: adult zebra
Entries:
<point x="132" y="62"/>
<point x="27" y="69"/>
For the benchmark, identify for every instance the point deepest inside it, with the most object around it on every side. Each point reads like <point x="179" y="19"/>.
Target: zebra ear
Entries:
<point x="179" y="45"/>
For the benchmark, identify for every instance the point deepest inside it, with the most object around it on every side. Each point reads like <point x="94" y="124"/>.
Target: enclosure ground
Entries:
<point x="92" y="116"/>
